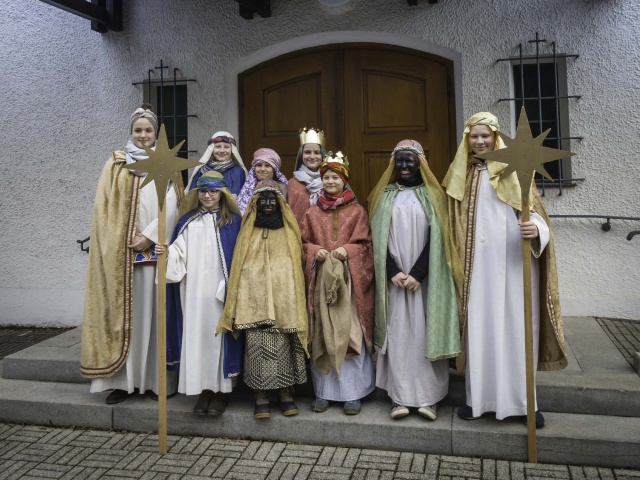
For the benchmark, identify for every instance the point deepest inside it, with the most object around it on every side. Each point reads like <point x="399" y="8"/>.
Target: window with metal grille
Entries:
<point x="171" y="106"/>
<point x="539" y="82"/>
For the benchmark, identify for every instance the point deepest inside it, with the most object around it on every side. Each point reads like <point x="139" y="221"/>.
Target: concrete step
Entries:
<point x="598" y="380"/>
<point x="575" y="439"/>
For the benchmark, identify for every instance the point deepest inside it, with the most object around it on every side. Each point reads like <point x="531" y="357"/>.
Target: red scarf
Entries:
<point x="326" y="201"/>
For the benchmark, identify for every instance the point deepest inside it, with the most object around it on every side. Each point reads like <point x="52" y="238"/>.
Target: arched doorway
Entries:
<point x="366" y="97"/>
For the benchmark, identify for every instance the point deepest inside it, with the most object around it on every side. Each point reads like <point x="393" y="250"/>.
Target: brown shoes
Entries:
<point x="218" y="403"/>
<point x="117" y="396"/>
<point x="211" y="403"/>
<point x="202" y="405"/>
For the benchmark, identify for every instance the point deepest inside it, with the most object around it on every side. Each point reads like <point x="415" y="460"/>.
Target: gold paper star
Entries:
<point x="525" y="154"/>
<point x="162" y="165"/>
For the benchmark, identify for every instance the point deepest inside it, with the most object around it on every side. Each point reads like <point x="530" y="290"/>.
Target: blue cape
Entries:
<point x="233" y="348"/>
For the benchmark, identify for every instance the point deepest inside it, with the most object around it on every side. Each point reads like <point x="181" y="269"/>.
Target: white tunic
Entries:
<point x="357" y="375"/>
<point x="495" y="373"/>
<point x="141" y="368"/>
<point x="409" y="378"/>
<point x="194" y="261"/>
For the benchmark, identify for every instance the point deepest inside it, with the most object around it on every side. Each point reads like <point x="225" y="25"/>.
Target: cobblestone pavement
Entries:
<point x="625" y="334"/>
<point x="34" y="452"/>
<point x="14" y="339"/>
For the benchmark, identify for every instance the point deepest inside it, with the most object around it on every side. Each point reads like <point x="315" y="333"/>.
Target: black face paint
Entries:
<point x="267" y="203"/>
<point x="407" y="165"/>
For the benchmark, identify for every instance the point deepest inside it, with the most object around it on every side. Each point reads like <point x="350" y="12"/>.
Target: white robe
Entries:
<point x="495" y="373"/>
<point x="194" y="261"/>
<point x="357" y="375"/>
<point x="402" y="369"/>
<point x="141" y="368"/>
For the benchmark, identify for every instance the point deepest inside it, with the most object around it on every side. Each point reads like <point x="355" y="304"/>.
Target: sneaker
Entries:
<point x="287" y="406"/>
<point x="398" y="411"/>
<point x="319" y="405"/>
<point x="262" y="408"/>
<point x="539" y="419"/>
<point x="466" y="413"/>
<point x="428" y="412"/>
<point x="352" y="407"/>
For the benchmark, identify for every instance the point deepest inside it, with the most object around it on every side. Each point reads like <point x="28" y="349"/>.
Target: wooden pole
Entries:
<point x="162" y="335"/>
<point x="528" y="338"/>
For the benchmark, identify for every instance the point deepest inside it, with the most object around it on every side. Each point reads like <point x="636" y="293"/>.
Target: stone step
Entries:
<point x="604" y="440"/>
<point x="607" y="383"/>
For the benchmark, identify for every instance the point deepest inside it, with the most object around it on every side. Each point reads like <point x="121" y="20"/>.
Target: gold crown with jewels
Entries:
<point x="338" y="158"/>
<point x="311" y="135"/>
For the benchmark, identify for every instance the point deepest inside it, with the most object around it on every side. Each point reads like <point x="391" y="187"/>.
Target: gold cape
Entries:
<point x="249" y="308"/>
<point x="462" y="215"/>
<point x="106" y="328"/>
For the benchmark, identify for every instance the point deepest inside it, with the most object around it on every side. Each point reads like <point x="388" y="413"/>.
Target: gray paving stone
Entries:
<point x="223" y="468"/>
<point x="199" y="465"/>
<point x="284" y="471"/>
<point x="432" y="466"/>
<point x="326" y="455"/>
<point x="212" y="466"/>
<point x="115" y="473"/>
<point x="251" y="449"/>
<point x="276" y="451"/>
<point x="488" y="469"/>
<point x="303" y="472"/>
<point x="404" y="462"/>
<point x="351" y="458"/>
<point x="372" y="474"/>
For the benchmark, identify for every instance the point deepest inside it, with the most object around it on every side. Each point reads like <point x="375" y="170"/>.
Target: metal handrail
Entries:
<point x="606" y="226"/>
<point x="82" y="242"/>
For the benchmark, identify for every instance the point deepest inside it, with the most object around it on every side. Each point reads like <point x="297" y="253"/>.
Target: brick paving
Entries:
<point x="14" y="339"/>
<point x="625" y="335"/>
<point x="30" y="452"/>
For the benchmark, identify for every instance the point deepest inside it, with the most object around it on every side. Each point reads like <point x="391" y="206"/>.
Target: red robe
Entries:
<point x="298" y="198"/>
<point x="348" y="227"/>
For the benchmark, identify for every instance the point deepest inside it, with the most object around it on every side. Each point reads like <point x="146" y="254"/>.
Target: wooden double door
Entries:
<point x="366" y="98"/>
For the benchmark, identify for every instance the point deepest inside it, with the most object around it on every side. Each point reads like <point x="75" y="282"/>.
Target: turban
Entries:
<point x="144" y="113"/>
<point x="268" y="156"/>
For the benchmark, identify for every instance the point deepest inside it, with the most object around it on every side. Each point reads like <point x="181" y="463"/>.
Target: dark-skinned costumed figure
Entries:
<point x="266" y="299"/>
<point x="417" y="276"/>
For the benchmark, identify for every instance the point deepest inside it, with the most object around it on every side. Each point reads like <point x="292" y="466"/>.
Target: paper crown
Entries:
<point x="338" y="158"/>
<point x="311" y="135"/>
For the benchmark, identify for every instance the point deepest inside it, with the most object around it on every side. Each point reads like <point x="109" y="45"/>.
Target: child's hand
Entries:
<point x="321" y="255"/>
<point x="398" y="279"/>
<point x="340" y="253"/>
<point x="411" y="283"/>
<point x="161" y="249"/>
<point x="140" y="243"/>
<point x="528" y="229"/>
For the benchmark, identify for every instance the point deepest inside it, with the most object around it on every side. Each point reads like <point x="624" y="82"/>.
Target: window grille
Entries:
<point x="540" y="84"/>
<point x="170" y="95"/>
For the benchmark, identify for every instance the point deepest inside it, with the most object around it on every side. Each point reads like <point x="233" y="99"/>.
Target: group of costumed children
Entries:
<point x="264" y="272"/>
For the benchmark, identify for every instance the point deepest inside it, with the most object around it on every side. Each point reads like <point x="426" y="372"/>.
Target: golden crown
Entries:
<point x="338" y="158"/>
<point x="311" y="135"/>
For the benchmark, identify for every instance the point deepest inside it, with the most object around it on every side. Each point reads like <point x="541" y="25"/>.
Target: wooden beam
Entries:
<point x="249" y="7"/>
<point x="104" y="14"/>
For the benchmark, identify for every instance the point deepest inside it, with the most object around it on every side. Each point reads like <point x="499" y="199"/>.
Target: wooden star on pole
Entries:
<point x="525" y="154"/>
<point x="162" y="165"/>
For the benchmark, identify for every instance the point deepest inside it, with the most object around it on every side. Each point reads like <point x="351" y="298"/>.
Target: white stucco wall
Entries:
<point x="67" y="96"/>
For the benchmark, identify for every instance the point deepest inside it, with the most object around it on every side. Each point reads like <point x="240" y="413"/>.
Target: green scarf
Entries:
<point x="442" y="338"/>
